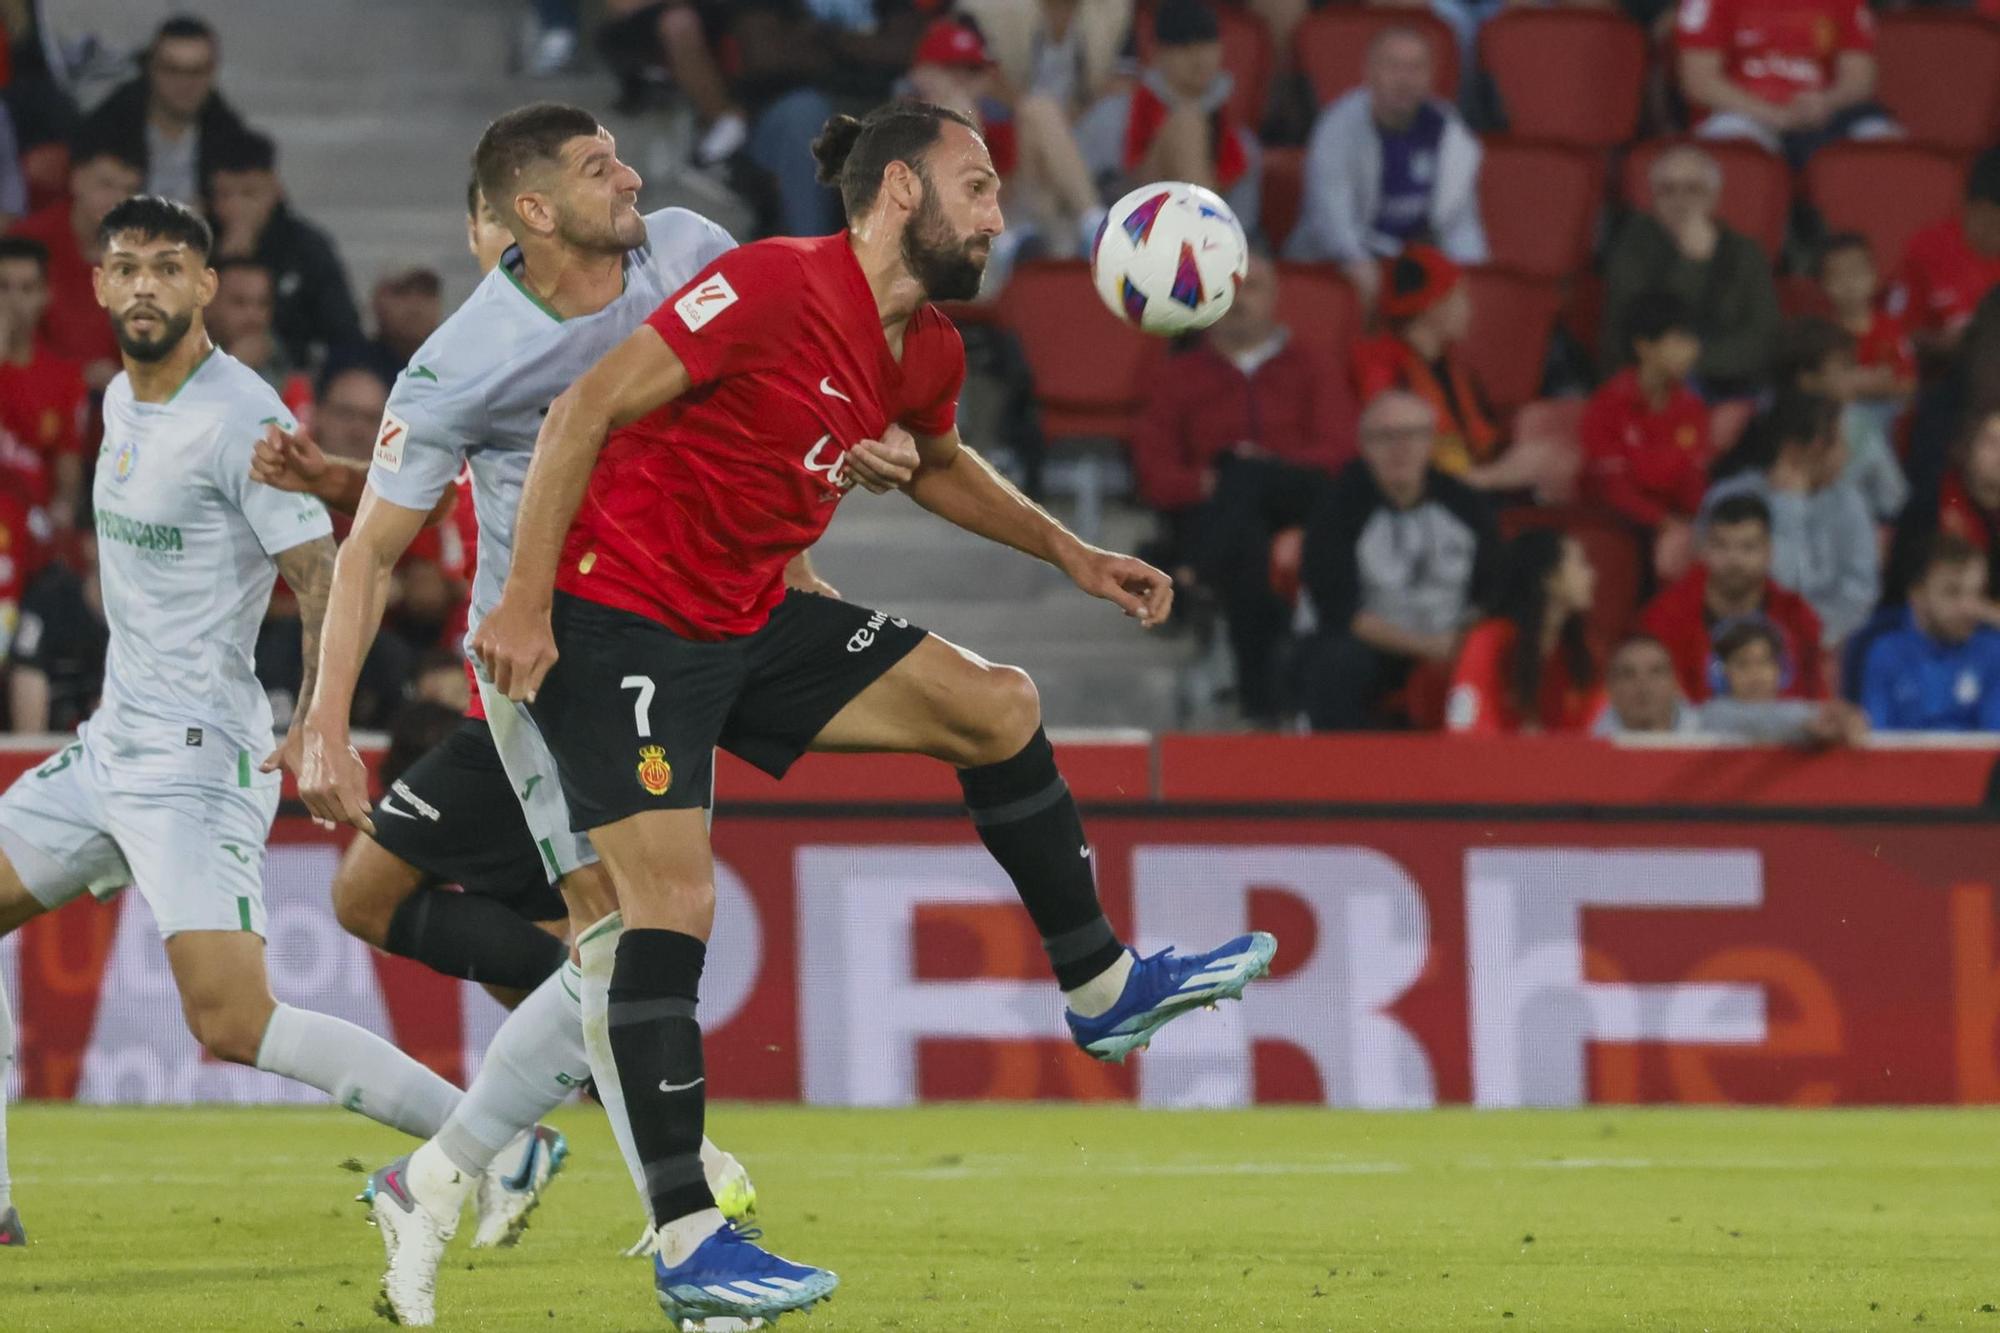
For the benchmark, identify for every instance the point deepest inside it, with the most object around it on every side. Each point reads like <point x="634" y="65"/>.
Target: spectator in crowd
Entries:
<point x="1388" y="165"/>
<point x="1068" y="52"/>
<point x="24" y="537"/>
<point x="551" y="45"/>
<point x="58" y="652"/>
<point x="1964" y="503"/>
<point x="1731" y="580"/>
<point x="1949" y="266"/>
<point x="1645" y="432"/>
<point x="1530" y="666"/>
<point x="1938" y="667"/>
<point x="43" y="400"/>
<point x="171" y="120"/>
<point x="13" y="184"/>
<point x="1752" y="667"/>
<point x="1235" y="439"/>
<point x="313" y="311"/>
<point x="239" y="319"/>
<point x="1397" y="556"/>
<point x="486" y="236"/>
<point x="1174" y="122"/>
<point x="440" y="679"/>
<point x="1885" y="363"/>
<point x="408" y="305"/>
<point x="349" y="413"/>
<point x="75" y="326"/>
<point x="1643" y="696"/>
<point x="1823" y="540"/>
<point x="1788" y="75"/>
<point x="1817" y="356"/>
<point x="1681" y="247"/>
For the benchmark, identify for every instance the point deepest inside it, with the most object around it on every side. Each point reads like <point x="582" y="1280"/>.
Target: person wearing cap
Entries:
<point x="1390" y="164"/>
<point x="1680" y="246"/>
<point x="1949" y="265"/>
<point x="1174" y="123"/>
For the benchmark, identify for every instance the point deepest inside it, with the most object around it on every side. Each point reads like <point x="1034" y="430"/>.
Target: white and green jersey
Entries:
<point x="478" y="389"/>
<point x="185" y="542"/>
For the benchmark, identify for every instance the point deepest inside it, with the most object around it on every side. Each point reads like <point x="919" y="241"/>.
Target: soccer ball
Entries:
<point x="1169" y="257"/>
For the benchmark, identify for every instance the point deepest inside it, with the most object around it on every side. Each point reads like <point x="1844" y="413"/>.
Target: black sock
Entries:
<point x="465" y="935"/>
<point x="1028" y="820"/>
<point x="656" y="1044"/>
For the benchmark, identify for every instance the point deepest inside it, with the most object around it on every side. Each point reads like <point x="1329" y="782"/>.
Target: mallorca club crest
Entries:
<point x="125" y="461"/>
<point x="654" y="773"/>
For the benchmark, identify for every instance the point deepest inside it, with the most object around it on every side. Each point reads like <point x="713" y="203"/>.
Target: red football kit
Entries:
<point x="42" y="410"/>
<point x="1776" y="49"/>
<point x="1943" y="278"/>
<point x="694" y="510"/>
<point x="1648" y="464"/>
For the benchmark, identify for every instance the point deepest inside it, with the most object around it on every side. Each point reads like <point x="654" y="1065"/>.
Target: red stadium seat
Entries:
<point x="1332" y="47"/>
<point x="1799" y="294"/>
<point x="1539" y="202"/>
<point x="1283" y="193"/>
<point x="1570" y="76"/>
<point x="1513" y="315"/>
<point x="1086" y="362"/>
<point x="1939" y="73"/>
<point x="1885" y="191"/>
<point x="1615" y="553"/>
<point x="1756" y="187"/>
<point x="1246" y="54"/>
<point x="1316" y="303"/>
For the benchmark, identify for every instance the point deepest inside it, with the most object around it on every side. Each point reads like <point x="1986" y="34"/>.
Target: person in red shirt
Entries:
<point x="1788" y="74"/>
<point x="75" y="327"/>
<point x="42" y="397"/>
<point x="1951" y="264"/>
<point x="1530" y="667"/>
<point x="738" y="416"/>
<point x="1885" y="361"/>
<point x="1734" y="580"/>
<point x="1236" y="437"/>
<point x="1646" y="442"/>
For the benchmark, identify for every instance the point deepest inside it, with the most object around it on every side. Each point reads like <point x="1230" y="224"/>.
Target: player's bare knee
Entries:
<point x="1005" y="715"/>
<point x="229" y="1030"/>
<point x="360" y="913"/>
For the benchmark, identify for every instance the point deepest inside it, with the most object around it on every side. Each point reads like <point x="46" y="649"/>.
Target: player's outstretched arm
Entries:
<point x="291" y="461"/>
<point x="634" y="378"/>
<point x="332" y="781"/>
<point x="956" y="484"/>
<point x="307" y="570"/>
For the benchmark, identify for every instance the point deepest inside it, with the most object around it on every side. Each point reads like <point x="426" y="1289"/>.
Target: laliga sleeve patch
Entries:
<point x="389" y="443"/>
<point x="705" y="302"/>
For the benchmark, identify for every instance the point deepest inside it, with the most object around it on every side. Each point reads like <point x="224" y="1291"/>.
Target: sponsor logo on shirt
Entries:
<point x="389" y="442"/>
<point x="159" y="538"/>
<point x="705" y="302"/>
<point x="655" y="774"/>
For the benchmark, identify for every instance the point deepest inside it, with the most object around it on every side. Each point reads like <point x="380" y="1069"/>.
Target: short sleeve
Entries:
<point x="419" y="448"/>
<point x="734" y="315"/>
<point x="281" y="519"/>
<point x="1702" y="25"/>
<point x="933" y="406"/>
<point x="684" y="243"/>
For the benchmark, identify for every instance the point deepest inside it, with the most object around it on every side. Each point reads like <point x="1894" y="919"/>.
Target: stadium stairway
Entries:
<point x="376" y="104"/>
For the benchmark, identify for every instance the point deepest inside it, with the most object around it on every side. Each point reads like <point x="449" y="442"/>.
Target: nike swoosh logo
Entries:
<point x="826" y="387"/>
<point x="1084" y="851"/>
<point x="682" y="1087"/>
<point x="387" y="806"/>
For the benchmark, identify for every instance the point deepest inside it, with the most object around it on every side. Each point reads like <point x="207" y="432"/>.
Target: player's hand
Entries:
<point x="333" y="782"/>
<point x="886" y="464"/>
<point x="287" y="461"/>
<point x="291" y="755"/>
<point x="517" y="647"/>
<point x="1144" y="593"/>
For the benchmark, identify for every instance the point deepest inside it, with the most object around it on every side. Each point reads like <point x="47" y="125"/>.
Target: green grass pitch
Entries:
<point x="1070" y="1218"/>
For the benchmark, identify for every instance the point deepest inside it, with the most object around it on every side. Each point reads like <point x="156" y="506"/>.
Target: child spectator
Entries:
<point x="1886" y="364"/>
<point x="1817" y="356"/>
<point x="1938" y="669"/>
<point x="1733" y="579"/>
<point x="1951" y="264"/>
<point x="1753" y="667"/>
<point x="1530" y="666"/>
<point x="1823" y="540"/>
<point x="1643" y="697"/>
<point x="1646" y="441"/>
<point x="43" y="401"/>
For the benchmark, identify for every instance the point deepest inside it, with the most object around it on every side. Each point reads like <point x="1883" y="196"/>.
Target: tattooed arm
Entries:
<point x="308" y="571"/>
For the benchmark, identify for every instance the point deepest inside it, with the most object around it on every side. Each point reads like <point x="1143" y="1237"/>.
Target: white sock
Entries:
<point x="1098" y="994"/>
<point x="437" y="1183"/>
<point x="536" y="1060"/>
<point x="357" y="1069"/>
<point x="6" y="1067"/>
<point x="597" y="950"/>
<point x="679" y="1237"/>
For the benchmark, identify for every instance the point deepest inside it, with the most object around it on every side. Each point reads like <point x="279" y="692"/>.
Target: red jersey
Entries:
<point x="1482" y="688"/>
<point x="1776" y="49"/>
<point x="694" y="510"/>
<point x="1678" y="617"/>
<point x="1887" y="343"/>
<point x="42" y="410"/>
<point x="1943" y="277"/>
<point x="1647" y="464"/>
<point x="74" y="325"/>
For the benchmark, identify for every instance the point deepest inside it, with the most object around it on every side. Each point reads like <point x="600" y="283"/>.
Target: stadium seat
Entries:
<point x="1800" y="294"/>
<point x="1317" y="304"/>
<point x="1558" y="421"/>
<point x="1885" y="191"/>
<point x="1570" y="76"/>
<point x="1539" y="203"/>
<point x="1246" y="54"/>
<point x="1939" y="73"/>
<point x="1283" y="193"/>
<point x="1615" y="553"/>
<point x="1583" y="317"/>
<point x="1513" y="315"/>
<point x="1756" y="187"/>
<point x="1332" y="47"/>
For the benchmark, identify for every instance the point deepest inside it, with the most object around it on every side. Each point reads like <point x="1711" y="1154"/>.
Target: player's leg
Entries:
<point x="17" y="908"/>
